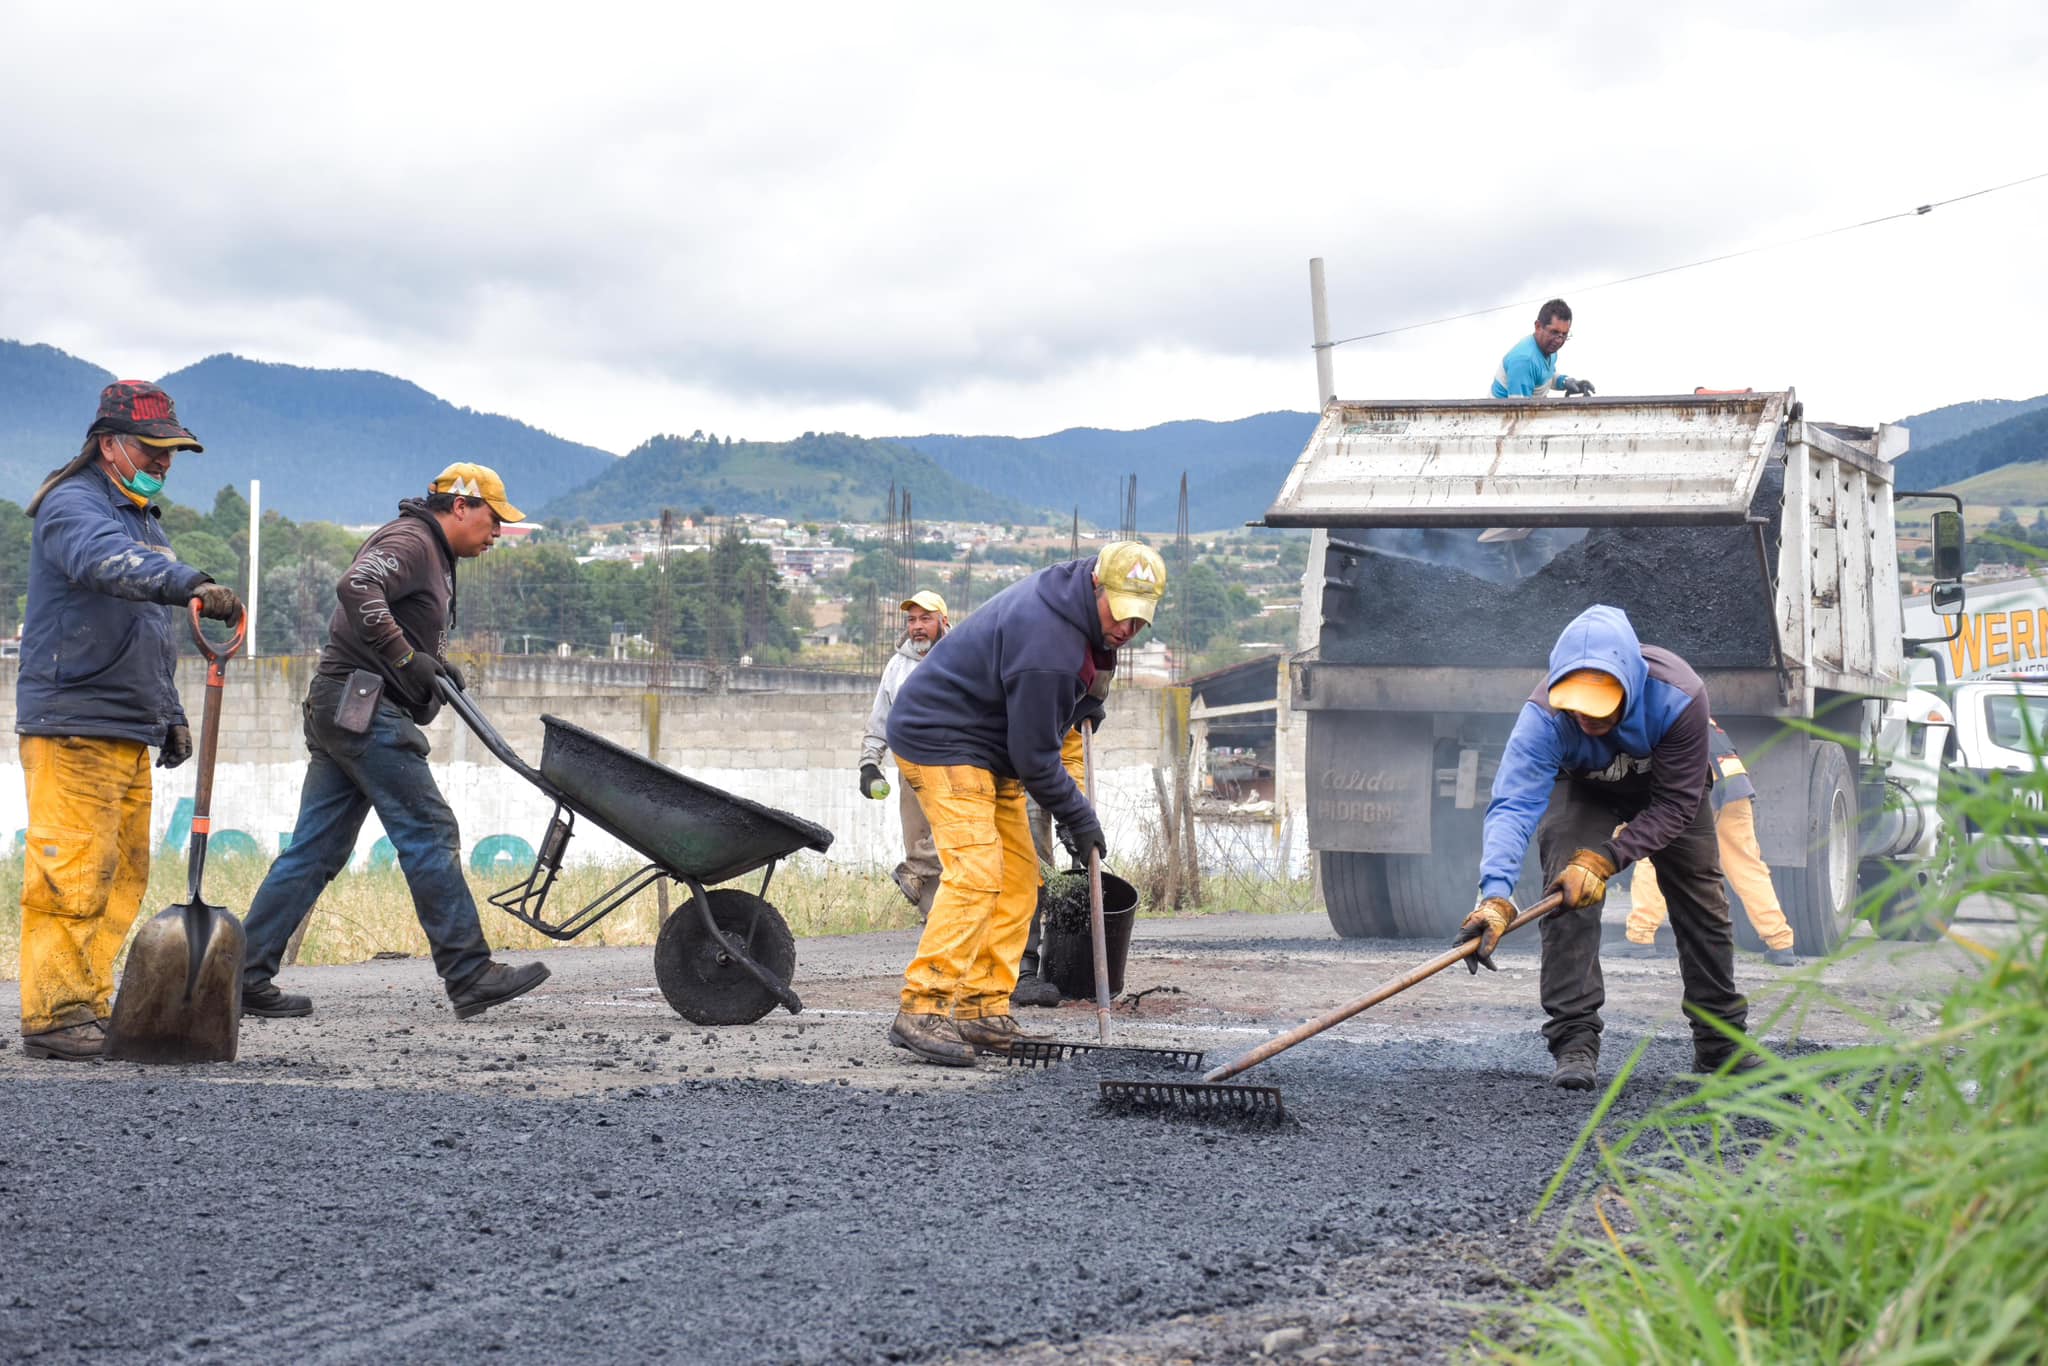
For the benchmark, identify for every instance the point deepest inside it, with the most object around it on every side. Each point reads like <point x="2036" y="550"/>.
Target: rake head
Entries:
<point x="1195" y="1100"/>
<point x="1046" y="1052"/>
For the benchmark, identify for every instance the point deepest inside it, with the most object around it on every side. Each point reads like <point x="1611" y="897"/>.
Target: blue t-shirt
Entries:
<point x="1525" y="371"/>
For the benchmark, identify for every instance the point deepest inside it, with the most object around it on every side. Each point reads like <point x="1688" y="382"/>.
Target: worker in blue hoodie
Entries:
<point x="1617" y="736"/>
<point x="975" y="727"/>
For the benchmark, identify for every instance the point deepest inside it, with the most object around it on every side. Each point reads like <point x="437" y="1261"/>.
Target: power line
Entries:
<point x="1915" y="212"/>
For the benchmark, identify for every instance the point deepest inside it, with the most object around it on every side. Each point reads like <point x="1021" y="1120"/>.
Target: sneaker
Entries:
<point x="934" y="1038"/>
<point x="1035" y="991"/>
<point x="1781" y="958"/>
<point x="997" y="1032"/>
<point x="495" y="985"/>
<point x="267" y="1002"/>
<point x="1577" y="1069"/>
<point x="72" y="1043"/>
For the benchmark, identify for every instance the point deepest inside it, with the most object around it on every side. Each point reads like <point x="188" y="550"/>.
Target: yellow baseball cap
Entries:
<point x="1134" y="576"/>
<point x="467" y="480"/>
<point x="930" y="601"/>
<point x="1589" y="692"/>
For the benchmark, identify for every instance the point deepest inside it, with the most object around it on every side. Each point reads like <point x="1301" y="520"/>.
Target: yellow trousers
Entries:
<point x="966" y="963"/>
<point x="86" y="869"/>
<point x="1735" y="832"/>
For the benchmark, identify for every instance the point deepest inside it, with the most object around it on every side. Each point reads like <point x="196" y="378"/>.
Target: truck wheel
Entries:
<point x="1820" y="899"/>
<point x="1355" y="895"/>
<point x="1898" y="905"/>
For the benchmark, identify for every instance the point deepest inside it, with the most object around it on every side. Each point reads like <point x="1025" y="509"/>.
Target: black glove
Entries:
<point x="454" y="675"/>
<point x="218" y="601"/>
<point x="1079" y="839"/>
<point x="870" y="779"/>
<point x="177" y="747"/>
<point x="1090" y="713"/>
<point x="1579" y="388"/>
<point x="416" y="676"/>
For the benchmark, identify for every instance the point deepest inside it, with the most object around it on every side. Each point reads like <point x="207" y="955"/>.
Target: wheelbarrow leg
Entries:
<point x="738" y="952"/>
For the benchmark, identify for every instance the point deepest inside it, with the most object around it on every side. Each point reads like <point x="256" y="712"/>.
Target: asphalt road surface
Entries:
<point x="582" y="1174"/>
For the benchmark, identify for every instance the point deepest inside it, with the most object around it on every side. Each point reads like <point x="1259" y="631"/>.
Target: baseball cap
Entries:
<point x="1589" y="692"/>
<point x="930" y="601"/>
<point x="1134" y="576"/>
<point x="137" y="408"/>
<point x="468" y="480"/>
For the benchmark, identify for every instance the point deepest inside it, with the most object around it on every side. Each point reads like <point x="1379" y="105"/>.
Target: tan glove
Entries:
<point x="1487" y="923"/>
<point x="1584" y="880"/>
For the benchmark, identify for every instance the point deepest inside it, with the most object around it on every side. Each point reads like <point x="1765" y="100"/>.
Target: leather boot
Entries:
<point x="72" y="1043"/>
<point x="934" y="1038"/>
<point x="267" y="1002"/>
<point x="996" y="1032"/>
<point x="494" y="986"/>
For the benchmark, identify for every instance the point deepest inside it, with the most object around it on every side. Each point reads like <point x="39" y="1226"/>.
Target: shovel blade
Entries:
<point x="1195" y="1100"/>
<point x="181" y="993"/>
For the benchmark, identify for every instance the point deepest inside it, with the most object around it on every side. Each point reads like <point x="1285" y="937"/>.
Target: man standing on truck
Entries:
<point x="974" y="727"/>
<point x="917" y="877"/>
<point x="1615" y="736"/>
<point x="1530" y="366"/>
<point x="372" y="689"/>
<point x="1734" y="801"/>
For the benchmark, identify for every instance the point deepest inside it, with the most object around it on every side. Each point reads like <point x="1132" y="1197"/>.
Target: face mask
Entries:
<point x="141" y="483"/>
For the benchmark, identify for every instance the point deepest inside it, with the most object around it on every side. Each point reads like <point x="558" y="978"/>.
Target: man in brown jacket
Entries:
<point x="372" y="690"/>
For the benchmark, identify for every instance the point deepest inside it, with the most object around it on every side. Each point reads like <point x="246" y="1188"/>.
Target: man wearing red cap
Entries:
<point x="1617" y="736"/>
<point x="97" y="691"/>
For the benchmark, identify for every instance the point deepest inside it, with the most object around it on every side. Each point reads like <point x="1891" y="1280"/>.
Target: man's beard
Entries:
<point x="917" y="647"/>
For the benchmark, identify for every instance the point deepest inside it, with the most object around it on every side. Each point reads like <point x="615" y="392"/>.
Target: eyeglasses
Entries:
<point x="1561" y="333"/>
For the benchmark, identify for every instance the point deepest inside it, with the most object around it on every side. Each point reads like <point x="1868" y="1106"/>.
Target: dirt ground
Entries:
<point x="583" y="1173"/>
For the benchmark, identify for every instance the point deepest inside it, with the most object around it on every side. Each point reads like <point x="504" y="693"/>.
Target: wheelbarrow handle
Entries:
<point x="488" y="733"/>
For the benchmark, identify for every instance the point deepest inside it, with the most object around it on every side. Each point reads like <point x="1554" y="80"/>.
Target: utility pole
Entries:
<point x="1319" y="313"/>
<point x="250" y="599"/>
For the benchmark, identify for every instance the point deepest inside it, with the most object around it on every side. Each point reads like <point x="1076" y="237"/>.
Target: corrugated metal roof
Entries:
<point x="1520" y="462"/>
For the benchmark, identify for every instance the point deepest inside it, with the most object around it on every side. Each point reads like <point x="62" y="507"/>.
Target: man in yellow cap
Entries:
<point x="372" y="690"/>
<point x="917" y="877"/>
<point x="975" y="727"/>
<point x="1617" y="736"/>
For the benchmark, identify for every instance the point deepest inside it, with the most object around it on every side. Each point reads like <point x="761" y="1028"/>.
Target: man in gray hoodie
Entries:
<point x="917" y="877"/>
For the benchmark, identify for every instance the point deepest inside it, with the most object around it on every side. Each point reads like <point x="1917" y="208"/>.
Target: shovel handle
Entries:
<point x="217" y="655"/>
<point x="209" y="742"/>
<point x="1098" y="936"/>
<point x="1380" y="993"/>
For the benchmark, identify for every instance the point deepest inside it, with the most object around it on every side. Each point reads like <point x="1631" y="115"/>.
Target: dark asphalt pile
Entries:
<point x="160" y="1216"/>
<point x="1697" y="590"/>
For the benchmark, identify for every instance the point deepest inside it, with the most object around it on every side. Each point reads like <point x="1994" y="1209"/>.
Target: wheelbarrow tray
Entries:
<point x="691" y="829"/>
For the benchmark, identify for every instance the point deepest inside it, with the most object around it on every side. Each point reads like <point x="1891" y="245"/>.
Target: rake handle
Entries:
<point x="1395" y="987"/>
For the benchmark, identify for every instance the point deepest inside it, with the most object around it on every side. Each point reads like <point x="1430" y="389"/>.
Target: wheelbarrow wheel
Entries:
<point x="699" y="977"/>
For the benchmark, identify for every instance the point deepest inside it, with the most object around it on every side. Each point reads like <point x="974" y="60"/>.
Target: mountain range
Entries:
<point x="344" y="445"/>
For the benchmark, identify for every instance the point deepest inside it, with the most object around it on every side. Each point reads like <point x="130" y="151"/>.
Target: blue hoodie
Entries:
<point x="999" y="691"/>
<point x="1656" y="755"/>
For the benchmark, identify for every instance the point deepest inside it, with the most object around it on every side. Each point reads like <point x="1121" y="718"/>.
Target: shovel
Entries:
<point x="181" y="993"/>
<point x="1261" y="1104"/>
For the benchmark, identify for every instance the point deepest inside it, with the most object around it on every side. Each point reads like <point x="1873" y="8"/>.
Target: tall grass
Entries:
<point x="1886" y="1203"/>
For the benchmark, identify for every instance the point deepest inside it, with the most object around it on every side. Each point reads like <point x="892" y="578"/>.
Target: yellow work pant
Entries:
<point x="87" y="866"/>
<point x="1735" y="832"/>
<point x="966" y="963"/>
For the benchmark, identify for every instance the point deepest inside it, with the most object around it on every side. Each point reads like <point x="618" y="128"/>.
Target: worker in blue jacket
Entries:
<point x="1617" y="736"/>
<point x="1530" y="366"/>
<point x="96" y="692"/>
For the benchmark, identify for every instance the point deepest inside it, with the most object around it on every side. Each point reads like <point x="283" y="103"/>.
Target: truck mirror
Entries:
<point x="1947" y="598"/>
<point x="1948" y="546"/>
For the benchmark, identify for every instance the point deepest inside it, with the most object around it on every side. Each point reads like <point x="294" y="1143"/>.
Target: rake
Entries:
<point x="1262" y="1104"/>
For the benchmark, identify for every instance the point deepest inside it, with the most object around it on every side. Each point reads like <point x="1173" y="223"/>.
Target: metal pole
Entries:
<point x="1319" y="309"/>
<point x="250" y="599"/>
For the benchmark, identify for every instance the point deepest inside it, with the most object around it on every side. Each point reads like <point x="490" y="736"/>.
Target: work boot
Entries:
<point x="1577" y="1069"/>
<point x="911" y="888"/>
<point x="267" y="1002"/>
<point x="1035" y="991"/>
<point x="1727" y="1060"/>
<point x="1632" y="948"/>
<point x="72" y="1043"/>
<point x="934" y="1038"/>
<point x="996" y="1032"/>
<point x="1781" y="958"/>
<point x="495" y="985"/>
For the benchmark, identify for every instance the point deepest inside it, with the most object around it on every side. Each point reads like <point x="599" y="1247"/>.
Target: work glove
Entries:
<point x="1090" y="713"/>
<point x="1487" y="923"/>
<point x="416" y="674"/>
<point x="454" y="675"/>
<point x="1584" y="880"/>
<point x="218" y="602"/>
<point x="1079" y="839"/>
<point x="1578" y="388"/>
<point x="177" y="747"/>
<point x="872" y="784"/>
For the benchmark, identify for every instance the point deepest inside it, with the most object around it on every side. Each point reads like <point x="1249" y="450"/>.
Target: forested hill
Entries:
<point x="1234" y="468"/>
<point x="2013" y="441"/>
<point x="821" y="476"/>
<point x="334" y="445"/>
<point x="1931" y="429"/>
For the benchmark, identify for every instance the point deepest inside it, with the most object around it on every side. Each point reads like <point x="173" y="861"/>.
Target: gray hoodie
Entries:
<point x="875" y="740"/>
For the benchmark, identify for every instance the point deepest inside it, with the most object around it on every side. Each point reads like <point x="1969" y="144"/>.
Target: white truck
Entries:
<point x="1453" y="540"/>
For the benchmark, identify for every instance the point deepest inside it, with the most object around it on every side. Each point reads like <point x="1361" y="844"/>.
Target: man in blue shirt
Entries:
<point x="1530" y="366"/>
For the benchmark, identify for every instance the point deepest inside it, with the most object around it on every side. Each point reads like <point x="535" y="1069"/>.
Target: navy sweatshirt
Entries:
<point x="999" y="690"/>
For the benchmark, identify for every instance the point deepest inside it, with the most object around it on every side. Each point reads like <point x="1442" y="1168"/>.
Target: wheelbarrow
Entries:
<point x="724" y="958"/>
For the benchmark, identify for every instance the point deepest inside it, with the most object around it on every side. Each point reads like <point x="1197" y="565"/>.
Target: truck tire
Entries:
<point x="1820" y="899"/>
<point x="1355" y="895"/>
<point x="1899" y="910"/>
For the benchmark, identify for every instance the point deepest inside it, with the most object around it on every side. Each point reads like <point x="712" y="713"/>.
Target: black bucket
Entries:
<point x="1066" y="946"/>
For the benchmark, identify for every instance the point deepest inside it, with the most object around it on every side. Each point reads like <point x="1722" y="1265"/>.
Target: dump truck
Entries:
<point x="1453" y="540"/>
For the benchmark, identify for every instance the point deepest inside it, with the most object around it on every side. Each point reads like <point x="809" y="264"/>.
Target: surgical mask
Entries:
<point x="141" y="483"/>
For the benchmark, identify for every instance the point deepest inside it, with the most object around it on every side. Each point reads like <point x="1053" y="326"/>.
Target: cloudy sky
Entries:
<point x="612" y="220"/>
